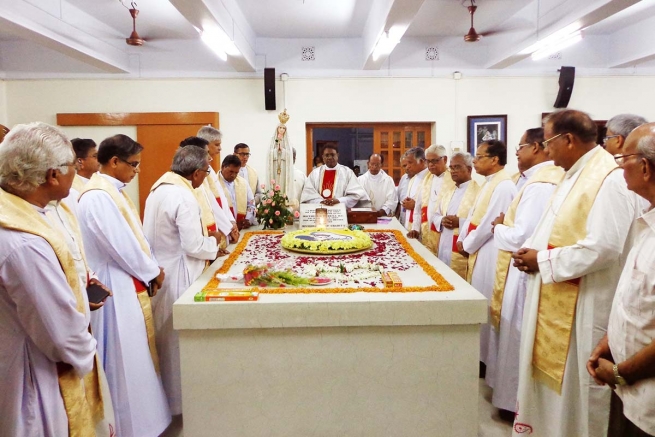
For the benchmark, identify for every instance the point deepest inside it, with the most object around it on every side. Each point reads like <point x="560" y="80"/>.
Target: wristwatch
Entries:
<point x="618" y="379"/>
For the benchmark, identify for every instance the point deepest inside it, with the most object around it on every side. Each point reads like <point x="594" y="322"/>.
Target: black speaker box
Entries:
<point x="566" y="78"/>
<point x="269" y="88"/>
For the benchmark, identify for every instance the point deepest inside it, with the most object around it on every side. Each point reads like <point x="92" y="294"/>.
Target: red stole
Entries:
<point x="329" y="176"/>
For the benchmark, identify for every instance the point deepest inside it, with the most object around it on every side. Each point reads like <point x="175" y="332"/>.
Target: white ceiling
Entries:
<point x="86" y="38"/>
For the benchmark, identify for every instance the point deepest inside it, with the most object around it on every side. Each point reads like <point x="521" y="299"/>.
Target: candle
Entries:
<point x="321" y="218"/>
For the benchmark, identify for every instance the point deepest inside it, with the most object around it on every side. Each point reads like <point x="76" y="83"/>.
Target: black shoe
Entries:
<point x="483" y="370"/>
<point x="506" y="415"/>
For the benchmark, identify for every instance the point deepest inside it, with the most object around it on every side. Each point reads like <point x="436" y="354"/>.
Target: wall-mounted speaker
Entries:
<point x="269" y="88"/>
<point x="566" y="78"/>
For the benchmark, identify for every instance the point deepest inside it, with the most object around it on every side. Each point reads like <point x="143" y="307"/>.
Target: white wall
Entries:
<point x="3" y="103"/>
<point x="240" y="102"/>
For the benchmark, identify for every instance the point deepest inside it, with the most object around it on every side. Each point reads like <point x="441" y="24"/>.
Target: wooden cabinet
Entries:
<point x="391" y="141"/>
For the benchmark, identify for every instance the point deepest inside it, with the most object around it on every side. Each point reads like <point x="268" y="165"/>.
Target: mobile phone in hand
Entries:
<point x="96" y="293"/>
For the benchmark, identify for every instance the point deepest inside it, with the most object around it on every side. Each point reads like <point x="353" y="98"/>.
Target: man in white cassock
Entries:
<point x="47" y="353"/>
<point x="214" y="138"/>
<point x="299" y="179"/>
<point x="401" y="190"/>
<point x="332" y="183"/>
<point x="417" y="169"/>
<point x="183" y="246"/>
<point x="248" y="173"/>
<point x="240" y="198"/>
<point x="475" y="238"/>
<point x="379" y="186"/>
<point x="86" y="158"/>
<point x="117" y="250"/>
<point x="574" y="262"/>
<point x="511" y="230"/>
<point x="452" y="209"/>
<point x="428" y="194"/>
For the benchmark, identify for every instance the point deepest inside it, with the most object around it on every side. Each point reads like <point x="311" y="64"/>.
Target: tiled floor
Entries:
<point x="490" y="423"/>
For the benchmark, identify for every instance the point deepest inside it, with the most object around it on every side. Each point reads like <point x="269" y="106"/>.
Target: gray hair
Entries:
<point x="189" y="159"/>
<point x="28" y="152"/>
<point x="210" y="134"/>
<point x="646" y="146"/>
<point x="623" y="124"/>
<point x="466" y="156"/>
<point x="437" y="150"/>
<point x="417" y="152"/>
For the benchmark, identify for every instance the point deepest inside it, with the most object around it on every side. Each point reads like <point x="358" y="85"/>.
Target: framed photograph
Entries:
<point x="483" y="128"/>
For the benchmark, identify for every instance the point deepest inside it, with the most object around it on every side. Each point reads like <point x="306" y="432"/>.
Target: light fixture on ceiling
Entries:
<point x="386" y="43"/>
<point x="219" y="42"/>
<point x="555" y="47"/>
<point x="563" y="38"/>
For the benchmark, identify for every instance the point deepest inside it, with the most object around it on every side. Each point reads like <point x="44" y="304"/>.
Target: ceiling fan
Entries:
<point x="472" y="35"/>
<point x="134" y="39"/>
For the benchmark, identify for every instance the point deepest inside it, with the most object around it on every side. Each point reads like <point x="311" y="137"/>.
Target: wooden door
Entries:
<point x="391" y="141"/>
<point x="159" y="145"/>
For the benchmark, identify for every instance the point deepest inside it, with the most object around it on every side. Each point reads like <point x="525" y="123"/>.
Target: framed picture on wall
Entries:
<point x="483" y="128"/>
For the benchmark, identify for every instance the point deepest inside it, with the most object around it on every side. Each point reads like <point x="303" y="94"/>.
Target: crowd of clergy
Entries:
<point x="560" y="250"/>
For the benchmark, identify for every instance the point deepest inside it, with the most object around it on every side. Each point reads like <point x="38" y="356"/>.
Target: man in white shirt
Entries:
<point x="86" y="156"/>
<point x="574" y="261"/>
<point x="240" y="199"/>
<point x="181" y="243"/>
<point x="248" y="173"/>
<point x="417" y="167"/>
<point x="48" y="372"/>
<point x="214" y="138"/>
<point x="618" y="129"/>
<point x="625" y="357"/>
<point x="379" y="186"/>
<point x="511" y="230"/>
<point x="299" y="179"/>
<point x="118" y="251"/>
<point x="475" y="238"/>
<point x="332" y="182"/>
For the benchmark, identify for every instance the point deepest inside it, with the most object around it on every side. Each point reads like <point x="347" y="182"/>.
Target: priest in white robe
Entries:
<point x="332" y="182"/>
<point x="119" y="253"/>
<point x="574" y="263"/>
<point x="46" y="351"/>
<point x="510" y="233"/>
<point x="401" y="190"/>
<point x="379" y="186"/>
<point x="417" y="169"/>
<point x="248" y="173"/>
<point x="86" y="158"/>
<point x="475" y="238"/>
<point x="182" y="245"/>
<point x="240" y="197"/>
<point x="452" y="209"/>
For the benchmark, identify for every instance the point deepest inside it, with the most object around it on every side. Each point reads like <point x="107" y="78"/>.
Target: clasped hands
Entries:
<point x="330" y="202"/>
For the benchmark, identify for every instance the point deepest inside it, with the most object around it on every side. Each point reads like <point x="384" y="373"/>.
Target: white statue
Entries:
<point x="280" y="159"/>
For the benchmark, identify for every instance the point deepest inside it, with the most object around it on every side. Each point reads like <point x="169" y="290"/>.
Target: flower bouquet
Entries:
<point x="269" y="275"/>
<point x="273" y="211"/>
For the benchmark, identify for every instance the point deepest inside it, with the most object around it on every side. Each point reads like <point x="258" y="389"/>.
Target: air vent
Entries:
<point x="431" y="54"/>
<point x="557" y="55"/>
<point x="308" y="54"/>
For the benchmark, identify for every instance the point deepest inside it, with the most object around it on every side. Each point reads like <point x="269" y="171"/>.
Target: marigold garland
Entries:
<point x="441" y="283"/>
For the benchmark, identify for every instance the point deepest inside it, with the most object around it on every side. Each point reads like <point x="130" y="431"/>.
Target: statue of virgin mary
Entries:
<point x="280" y="159"/>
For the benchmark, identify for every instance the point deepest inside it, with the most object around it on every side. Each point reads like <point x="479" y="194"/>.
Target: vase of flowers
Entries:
<point x="273" y="210"/>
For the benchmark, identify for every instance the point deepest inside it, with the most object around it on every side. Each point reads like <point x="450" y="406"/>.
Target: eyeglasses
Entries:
<point x="478" y="157"/>
<point x="329" y="155"/>
<point x="545" y="142"/>
<point x="208" y="171"/>
<point x="456" y="167"/>
<point x="620" y="159"/>
<point x="607" y="138"/>
<point x="134" y="165"/>
<point x="434" y="161"/>
<point x="72" y="164"/>
<point x="520" y="146"/>
<point x="243" y="154"/>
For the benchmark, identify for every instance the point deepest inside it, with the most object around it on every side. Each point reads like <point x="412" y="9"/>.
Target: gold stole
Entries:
<point x="131" y="216"/>
<point x="429" y="235"/>
<point x="78" y="184"/>
<point x="174" y="179"/>
<point x="557" y="301"/>
<point x="515" y="177"/>
<point x="209" y="180"/>
<point x="549" y="174"/>
<point x="458" y="263"/>
<point x="82" y="401"/>
<point x="480" y="210"/>
<point x="252" y="179"/>
<point x="241" y="191"/>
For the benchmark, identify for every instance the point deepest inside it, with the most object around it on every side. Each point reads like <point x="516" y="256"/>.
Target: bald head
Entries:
<point x="569" y="135"/>
<point x="375" y="162"/>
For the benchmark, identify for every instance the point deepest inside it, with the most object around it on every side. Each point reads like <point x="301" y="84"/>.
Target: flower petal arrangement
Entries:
<point x="272" y="210"/>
